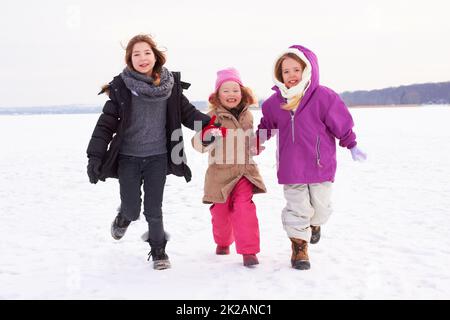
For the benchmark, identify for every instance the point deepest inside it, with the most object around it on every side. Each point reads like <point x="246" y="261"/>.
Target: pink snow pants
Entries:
<point x="236" y="220"/>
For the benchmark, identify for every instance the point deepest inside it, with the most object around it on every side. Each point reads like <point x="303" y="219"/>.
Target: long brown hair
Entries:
<point x="160" y="57"/>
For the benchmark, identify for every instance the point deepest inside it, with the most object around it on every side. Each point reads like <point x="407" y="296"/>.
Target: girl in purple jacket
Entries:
<point x="308" y="118"/>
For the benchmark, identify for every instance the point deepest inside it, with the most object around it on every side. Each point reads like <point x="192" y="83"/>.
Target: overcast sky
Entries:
<point x="61" y="52"/>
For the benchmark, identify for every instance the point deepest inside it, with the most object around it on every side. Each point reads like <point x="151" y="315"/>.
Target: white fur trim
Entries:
<point x="303" y="85"/>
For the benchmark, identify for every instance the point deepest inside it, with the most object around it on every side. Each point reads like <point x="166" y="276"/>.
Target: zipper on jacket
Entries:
<point x="318" y="151"/>
<point x="292" y="126"/>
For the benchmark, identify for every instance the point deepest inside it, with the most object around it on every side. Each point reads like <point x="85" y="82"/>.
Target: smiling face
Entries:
<point x="230" y="94"/>
<point x="291" y="71"/>
<point x="143" y="58"/>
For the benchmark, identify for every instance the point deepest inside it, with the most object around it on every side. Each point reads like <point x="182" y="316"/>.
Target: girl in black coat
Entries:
<point x="141" y="124"/>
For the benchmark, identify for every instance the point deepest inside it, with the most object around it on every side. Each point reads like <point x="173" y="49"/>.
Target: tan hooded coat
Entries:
<point x="230" y="158"/>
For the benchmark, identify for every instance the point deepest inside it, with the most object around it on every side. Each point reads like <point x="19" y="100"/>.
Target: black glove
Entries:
<point x="208" y="140"/>
<point x="93" y="169"/>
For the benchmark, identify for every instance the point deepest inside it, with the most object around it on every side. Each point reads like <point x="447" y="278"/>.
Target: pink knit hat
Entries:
<point x="229" y="74"/>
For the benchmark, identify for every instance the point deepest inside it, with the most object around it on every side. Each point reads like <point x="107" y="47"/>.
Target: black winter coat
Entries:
<point x="111" y="123"/>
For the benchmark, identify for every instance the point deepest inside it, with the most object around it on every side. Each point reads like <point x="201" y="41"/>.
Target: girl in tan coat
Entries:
<point x="232" y="177"/>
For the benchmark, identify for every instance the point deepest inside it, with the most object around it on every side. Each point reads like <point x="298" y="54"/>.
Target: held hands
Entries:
<point x="358" y="154"/>
<point x="255" y="146"/>
<point x="212" y="130"/>
<point x="93" y="169"/>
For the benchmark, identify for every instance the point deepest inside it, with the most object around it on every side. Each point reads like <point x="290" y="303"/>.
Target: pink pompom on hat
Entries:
<point x="229" y="74"/>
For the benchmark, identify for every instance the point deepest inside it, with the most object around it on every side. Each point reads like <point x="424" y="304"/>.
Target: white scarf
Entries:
<point x="303" y="85"/>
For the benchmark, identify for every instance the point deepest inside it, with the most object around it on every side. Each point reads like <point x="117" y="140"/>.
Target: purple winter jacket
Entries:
<point x="306" y="138"/>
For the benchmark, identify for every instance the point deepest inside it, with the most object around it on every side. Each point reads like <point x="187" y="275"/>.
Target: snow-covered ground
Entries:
<point x="388" y="237"/>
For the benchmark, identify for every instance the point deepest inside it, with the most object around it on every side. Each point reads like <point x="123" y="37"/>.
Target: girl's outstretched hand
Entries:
<point x="358" y="154"/>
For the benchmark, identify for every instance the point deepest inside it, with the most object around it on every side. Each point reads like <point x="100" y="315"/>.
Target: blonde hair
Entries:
<point x="292" y="103"/>
<point x="295" y="101"/>
<point x="248" y="98"/>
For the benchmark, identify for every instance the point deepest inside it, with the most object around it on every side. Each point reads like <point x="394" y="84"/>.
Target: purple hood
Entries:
<point x="306" y="150"/>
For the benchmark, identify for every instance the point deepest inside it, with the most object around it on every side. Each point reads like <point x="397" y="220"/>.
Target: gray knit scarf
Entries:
<point x="142" y="84"/>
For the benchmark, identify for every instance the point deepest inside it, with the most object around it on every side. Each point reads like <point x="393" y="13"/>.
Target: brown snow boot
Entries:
<point x="300" y="259"/>
<point x="315" y="234"/>
<point x="222" y="250"/>
<point x="250" y="260"/>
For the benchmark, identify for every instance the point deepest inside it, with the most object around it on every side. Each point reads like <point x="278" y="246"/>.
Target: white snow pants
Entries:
<point x="307" y="205"/>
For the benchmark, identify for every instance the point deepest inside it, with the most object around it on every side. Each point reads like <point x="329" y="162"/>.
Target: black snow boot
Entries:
<point x="160" y="258"/>
<point x="119" y="227"/>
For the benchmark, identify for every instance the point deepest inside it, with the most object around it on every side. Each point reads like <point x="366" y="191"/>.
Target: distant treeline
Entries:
<point x="426" y="93"/>
<point x="67" y="109"/>
<point x="419" y="94"/>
